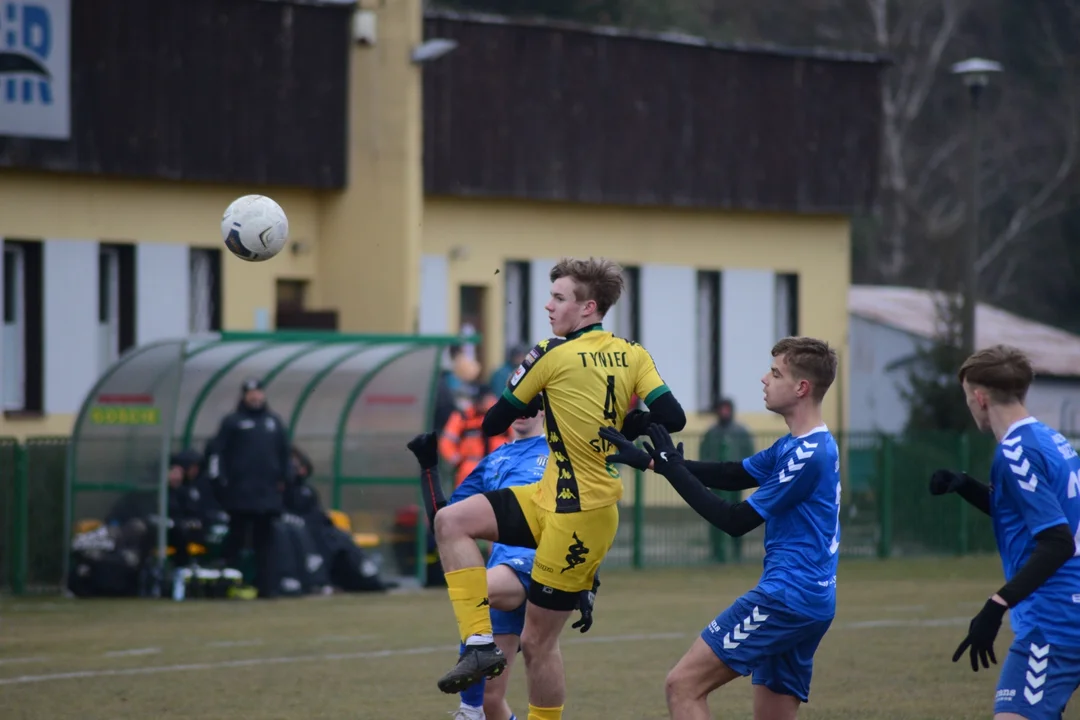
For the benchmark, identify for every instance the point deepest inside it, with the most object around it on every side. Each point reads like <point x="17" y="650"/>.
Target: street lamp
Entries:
<point x="975" y="72"/>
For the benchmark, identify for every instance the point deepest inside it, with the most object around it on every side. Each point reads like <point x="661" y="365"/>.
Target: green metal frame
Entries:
<point x="316" y="379"/>
<point x="280" y="367"/>
<point x="71" y="481"/>
<point x="209" y="385"/>
<point x="346" y="409"/>
<point x="311" y="341"/>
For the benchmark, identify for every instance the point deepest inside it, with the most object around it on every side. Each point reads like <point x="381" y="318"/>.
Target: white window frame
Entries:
<point x="516" y="321"/>
<point x="13" y="371"/>
<point x="201" y="291"/>
<point x="708" y="329"/>
<point x="786" y="305"/>
<point x="624" y="320"/>
<point x="109" y="328"/>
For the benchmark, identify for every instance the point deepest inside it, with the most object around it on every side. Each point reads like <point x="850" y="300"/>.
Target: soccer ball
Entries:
<point x="254" y="228"/>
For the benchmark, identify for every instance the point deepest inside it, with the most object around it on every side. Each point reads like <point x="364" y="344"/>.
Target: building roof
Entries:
<point x="671" y="38"/>
<point x="1052" y="351"/>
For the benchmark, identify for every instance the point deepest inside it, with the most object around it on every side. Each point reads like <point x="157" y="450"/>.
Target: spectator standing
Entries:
<point x="726" y="441"/>
<point x="251" y="459"/>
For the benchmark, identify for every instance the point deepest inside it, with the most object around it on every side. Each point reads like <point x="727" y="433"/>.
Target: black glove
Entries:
<point x="425" y="448"/>
<point x="665" y="454"/>
<point x="627" y="453"/>
<point x="635" y="424"/>
<point x="586" y="600"/>
<point x="946" y="481"/>
<point x="981" y="634"/>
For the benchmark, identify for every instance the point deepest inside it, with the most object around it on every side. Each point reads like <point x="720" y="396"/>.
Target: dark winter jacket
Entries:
<point x="250" y="460"/>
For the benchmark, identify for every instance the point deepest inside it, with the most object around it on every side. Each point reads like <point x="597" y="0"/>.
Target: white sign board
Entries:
<point x="35" y="69"/>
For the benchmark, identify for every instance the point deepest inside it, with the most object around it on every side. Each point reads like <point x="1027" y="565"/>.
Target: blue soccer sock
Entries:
<point x="473" y="696"/>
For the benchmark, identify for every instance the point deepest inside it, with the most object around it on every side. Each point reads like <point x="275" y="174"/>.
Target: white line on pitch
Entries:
<point x="234" y="643"/>
<point x="134" y="651"/>
<point x="894" y="623"/>
<point x="254" y="662"/>
<point x="21" y="661"/>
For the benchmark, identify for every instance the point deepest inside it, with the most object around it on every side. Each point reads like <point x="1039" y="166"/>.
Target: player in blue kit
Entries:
<point x="519" y="462"/>
<point x="773" y="631"/>
<point x="1033" y="500"/>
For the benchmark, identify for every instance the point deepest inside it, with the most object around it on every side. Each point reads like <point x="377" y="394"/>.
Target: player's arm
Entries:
<point x="1046" y="521"/>
<point x="426" y="450"/>
<point x="974" y="492"/>
<point x="736" y="519"/>
<point x="722" y="475"/>
<point x="663" y="410"/>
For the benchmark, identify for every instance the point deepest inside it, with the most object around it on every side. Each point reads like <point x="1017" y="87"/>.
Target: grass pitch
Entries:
<point x="888" y="654"/>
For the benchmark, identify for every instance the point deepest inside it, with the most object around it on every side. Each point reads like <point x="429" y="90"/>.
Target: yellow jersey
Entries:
<point x="588" y="380"/>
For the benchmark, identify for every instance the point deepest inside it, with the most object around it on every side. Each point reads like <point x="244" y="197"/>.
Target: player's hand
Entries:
<point x="981" y="634"/>
<point x="664" y="454"/>
<point x="628" y="454"/>
<point x="635" y="424"/>
<point x="425" y="447"/>
<point x="535" y="405"/>
<point x="946" y="481"/>
<point x="586" y="600"/>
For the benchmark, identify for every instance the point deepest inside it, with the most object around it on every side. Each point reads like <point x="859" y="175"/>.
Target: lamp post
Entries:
<point x="975" y="72"/>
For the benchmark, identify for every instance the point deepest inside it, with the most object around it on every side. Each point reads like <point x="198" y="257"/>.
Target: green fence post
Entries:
<point x="965" y="465"/>
<point x="20" y="521"/>
<point x="885" y="505"/>
<point x="639" y="519"/>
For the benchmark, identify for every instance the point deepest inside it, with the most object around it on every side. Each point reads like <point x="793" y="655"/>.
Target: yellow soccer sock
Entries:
<point x="536" y="713"/>
<point x="469" y="596"/>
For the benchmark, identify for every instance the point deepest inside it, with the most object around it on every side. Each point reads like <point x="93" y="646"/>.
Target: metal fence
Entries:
<point x="886" y="508"/>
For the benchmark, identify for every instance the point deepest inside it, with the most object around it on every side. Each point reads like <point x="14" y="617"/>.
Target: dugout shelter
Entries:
<point x="351" y="403"/>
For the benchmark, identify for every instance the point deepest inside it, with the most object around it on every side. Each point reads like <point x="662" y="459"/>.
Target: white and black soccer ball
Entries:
<point x="254" y="228"/>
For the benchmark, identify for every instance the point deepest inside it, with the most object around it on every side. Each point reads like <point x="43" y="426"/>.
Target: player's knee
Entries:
<point x="679" y="687"/>
<point x="452" y="523"/>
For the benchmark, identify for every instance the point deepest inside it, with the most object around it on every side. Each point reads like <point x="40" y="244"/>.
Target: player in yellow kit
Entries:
<point x="588" y="378"/>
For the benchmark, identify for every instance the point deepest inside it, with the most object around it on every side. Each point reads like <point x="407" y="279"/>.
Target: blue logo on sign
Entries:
<point x="25" y="46"/>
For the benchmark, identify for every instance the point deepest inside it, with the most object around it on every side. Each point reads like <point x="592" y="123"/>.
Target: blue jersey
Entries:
<point x="799" y="498"/>
<point x="516" y="463"/>
<point x="1035" y="485"/>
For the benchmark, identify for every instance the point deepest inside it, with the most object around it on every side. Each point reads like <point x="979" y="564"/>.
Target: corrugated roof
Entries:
<point x="1052" y="351"/>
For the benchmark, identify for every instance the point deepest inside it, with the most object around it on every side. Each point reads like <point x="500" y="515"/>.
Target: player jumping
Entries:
<point x="1034" y="502"/>
<point x="519" y="462"/>
<point x="570" y="516"/>
<point x="773" y="631"/>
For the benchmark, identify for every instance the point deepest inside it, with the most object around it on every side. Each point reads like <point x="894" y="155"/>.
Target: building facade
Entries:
<point x="423" y="193"/>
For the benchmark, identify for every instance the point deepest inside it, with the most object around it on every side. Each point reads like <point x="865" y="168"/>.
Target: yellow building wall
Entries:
<point x="38" y="206"/>
<point x="479" y="237"/>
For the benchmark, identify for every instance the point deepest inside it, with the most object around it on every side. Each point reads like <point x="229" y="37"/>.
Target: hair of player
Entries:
<point x="595" y="279"/>
<point x="1005" y="372"/>
<point x="809" y="359"/>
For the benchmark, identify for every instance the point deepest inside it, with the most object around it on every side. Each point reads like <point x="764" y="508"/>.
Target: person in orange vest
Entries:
<point x="463" y="444"/>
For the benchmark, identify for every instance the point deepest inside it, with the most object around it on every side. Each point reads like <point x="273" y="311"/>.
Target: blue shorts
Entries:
<point x="758" y="636"/>
<point x="511" y="622"/>
<point x="1037" y="678"/>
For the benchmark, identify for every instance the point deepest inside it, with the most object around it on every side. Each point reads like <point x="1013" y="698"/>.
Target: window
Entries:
<point x="205" y="290"/>
<point x="21" y="362"/>
<point x="517" y="327"/>
<point x="116" y="302"/>
<point x="708" y="340"/>
<point x="787" y="305"/>
<point x="623" y="320"/>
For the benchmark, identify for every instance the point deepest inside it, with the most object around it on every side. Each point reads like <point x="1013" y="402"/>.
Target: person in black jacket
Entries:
<point x="251" y="460"/>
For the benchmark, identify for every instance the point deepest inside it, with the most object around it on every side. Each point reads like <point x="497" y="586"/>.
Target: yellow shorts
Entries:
<point x="569" y="546"/>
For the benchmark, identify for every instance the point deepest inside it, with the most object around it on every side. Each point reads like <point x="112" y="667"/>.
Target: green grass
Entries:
<point x="888" y="654"/>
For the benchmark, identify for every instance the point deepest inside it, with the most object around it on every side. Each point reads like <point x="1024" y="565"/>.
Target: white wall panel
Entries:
<point x="434" y="295"/>
<point x="539" y="294"/>
<point x="70" y="319"/>
<point x="747" y="334"/>
<point x="668" y="298"/>
<point x="162" y="292"/>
